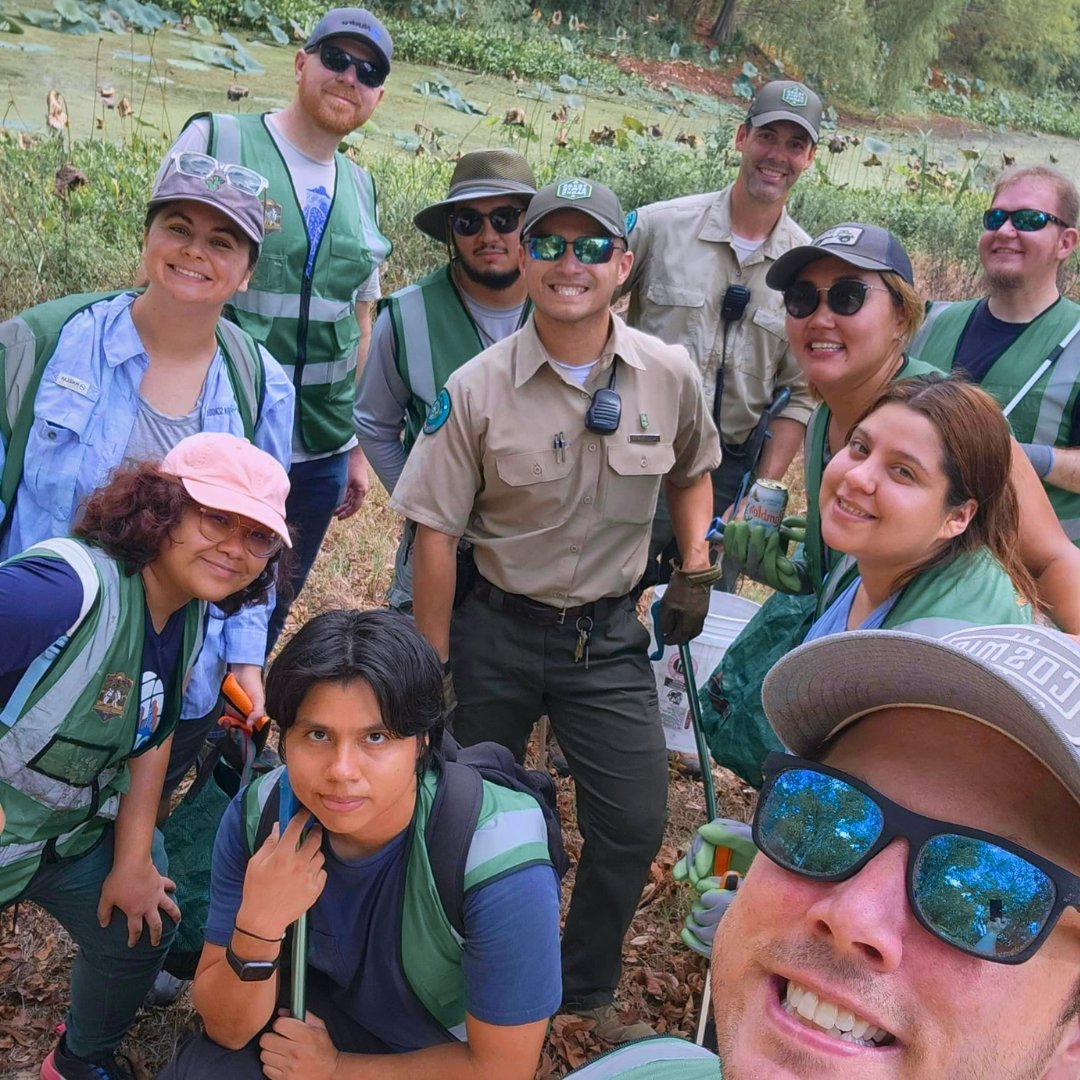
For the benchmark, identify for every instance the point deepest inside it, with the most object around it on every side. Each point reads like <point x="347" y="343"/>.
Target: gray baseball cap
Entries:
<point x="867" y="246"/>
<point x="599" y="202"/>
<point x="479" y="174"/>
<point x="785" y="99"/>
<point x="355" y="23"/>
<point x="1023" y="681"/>
<point x="237" y="203"/>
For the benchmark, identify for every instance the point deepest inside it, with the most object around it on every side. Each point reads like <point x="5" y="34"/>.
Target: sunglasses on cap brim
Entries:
<point x="980" y="893"/>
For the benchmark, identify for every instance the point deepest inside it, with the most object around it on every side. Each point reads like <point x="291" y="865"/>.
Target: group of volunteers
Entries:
<point x="386" y="901"/>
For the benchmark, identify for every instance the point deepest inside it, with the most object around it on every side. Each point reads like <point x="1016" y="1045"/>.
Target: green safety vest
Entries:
<point x="27" y="343"/>
<point x="818" y="556"/>
<point x="430" y="949"/>
<point x="661" y="1057"/>
<point x="971" y="590"/>
<point x="434" y="334"/>
<point x="307" y="322"/>
<point x="1039" y="411"/>
<point x="67" y="730"/>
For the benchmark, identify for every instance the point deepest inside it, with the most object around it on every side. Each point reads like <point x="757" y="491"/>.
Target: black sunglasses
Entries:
<point x="468" y="222"/>
<point x="1022" y="220"/>
<point x="979" y="892"/>
<point x="338" y="60"/>
<point x="589" y="250"/>
<point x="844" y="298"/>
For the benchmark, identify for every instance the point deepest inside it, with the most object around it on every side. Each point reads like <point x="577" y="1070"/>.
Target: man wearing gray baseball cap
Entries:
<point x="915" y="912"/>
<point x="309" y="302"/>
<point x="427" y="330"/>
<point x="699" y="280"/>
<point x="547" y="451"/>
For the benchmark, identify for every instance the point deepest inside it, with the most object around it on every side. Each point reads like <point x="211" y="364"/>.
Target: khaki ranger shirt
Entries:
<point x="562" y="526"/>
<point x="683" y="264"/>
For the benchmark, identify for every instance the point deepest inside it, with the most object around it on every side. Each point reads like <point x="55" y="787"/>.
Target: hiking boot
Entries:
<point x="60" y="1065"/>
<point x="610" y="1029"/>
<point x="166" y="989"/>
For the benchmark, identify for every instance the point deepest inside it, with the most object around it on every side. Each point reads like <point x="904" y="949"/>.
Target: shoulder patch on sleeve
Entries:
<point x="438" y="414"/>
<point x="631" y="221"/>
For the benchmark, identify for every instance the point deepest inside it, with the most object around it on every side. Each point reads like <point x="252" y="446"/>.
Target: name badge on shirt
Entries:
<point x="69" y="382"/>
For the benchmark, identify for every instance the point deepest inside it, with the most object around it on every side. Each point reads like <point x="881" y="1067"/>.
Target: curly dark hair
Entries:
<point x="131" y="517"/>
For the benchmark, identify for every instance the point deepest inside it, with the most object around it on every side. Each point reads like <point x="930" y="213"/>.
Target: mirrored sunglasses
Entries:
<point x="218" y="525"/>
<point x="1022" y="220"/>
<point x="205" y="167"/>
<point x="338" y="61"/>
<point x="588" y="250"/>
<point x="468" y="222"/>
<point x="979" y="892"/>
<point x="843" y="298"/>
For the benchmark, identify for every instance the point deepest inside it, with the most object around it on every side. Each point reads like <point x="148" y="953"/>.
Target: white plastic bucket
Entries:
<point x="728" y="614"/>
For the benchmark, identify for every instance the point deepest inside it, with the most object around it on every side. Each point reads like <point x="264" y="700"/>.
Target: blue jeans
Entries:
<point x="316" y="489"/>
<point x="108" y="980"/>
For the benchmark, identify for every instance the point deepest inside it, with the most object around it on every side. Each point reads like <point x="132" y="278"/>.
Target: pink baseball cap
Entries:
<point x="225" y="472"/>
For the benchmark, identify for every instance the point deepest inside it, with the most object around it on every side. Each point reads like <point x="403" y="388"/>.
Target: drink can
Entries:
<point x="766" y="503"/>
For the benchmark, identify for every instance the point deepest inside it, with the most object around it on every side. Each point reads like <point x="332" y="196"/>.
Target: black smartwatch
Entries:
<point x="251" y="970"/>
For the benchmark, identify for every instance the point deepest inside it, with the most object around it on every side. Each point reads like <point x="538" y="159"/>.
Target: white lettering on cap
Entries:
<point x="841" y="235"/>
<point x="1044" y="666"/>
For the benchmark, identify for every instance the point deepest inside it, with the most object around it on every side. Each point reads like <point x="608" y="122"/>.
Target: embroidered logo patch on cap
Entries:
<point x="794" y="96"/>
<point x="842" y="236"/>
<point x="573" y="190"/>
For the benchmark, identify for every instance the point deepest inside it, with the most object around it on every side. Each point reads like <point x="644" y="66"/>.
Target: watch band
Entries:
<point x="251" y="970"/>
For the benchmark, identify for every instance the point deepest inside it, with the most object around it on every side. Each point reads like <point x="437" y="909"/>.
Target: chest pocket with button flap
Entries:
<point x="633" y="479"/>
<point x="535" y="486"/>
<point x="769" y="342"/>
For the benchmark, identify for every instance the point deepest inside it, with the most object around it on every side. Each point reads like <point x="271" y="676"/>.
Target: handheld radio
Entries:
<point x="605" y="409"/>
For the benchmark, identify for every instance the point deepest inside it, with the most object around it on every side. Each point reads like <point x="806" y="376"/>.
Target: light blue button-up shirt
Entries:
<point x="84" y="412"/>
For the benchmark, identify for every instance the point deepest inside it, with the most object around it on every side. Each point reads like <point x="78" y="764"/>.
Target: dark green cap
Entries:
<point x="599" y="202"/>
<point x="785" y="99"/>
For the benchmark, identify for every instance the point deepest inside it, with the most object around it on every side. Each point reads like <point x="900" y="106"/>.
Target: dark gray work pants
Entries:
<point x="507" y="673"/>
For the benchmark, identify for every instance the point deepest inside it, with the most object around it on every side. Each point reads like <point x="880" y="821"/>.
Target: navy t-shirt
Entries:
<point x="40" y="598"/>
<point x="510" y="958"/>
<point x="983" y="341"/>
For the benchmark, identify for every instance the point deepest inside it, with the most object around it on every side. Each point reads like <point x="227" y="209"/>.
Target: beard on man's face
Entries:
<point x="496" y="280"/>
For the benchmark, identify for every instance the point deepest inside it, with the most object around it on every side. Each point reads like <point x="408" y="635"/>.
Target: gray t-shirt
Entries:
<point x="155" y="433"/>
<point x="382" y="398"/>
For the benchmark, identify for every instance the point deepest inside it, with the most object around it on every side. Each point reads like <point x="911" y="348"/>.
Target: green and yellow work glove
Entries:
<point x="685" y="603"/>
<point x="699" y="926"/>
<point x="762" y="554"/>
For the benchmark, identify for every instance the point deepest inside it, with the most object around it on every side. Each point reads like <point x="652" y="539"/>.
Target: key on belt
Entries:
<point x="584" y="627"/>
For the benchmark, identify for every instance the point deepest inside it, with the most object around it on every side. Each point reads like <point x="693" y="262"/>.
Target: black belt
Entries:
<point x="533" y="611"/>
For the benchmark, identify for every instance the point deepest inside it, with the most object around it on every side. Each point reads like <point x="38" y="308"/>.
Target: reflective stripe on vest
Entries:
<point x="934" y="310"/>
<point x="417" y="343"/>
<point x="287" y="306"/>
<point x="652" y="1051"/>
<point x="17" y="340"/>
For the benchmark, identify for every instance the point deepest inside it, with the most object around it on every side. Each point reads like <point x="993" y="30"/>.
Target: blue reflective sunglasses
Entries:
<point x="984" y="895"/>
<point x="589" y="250"/>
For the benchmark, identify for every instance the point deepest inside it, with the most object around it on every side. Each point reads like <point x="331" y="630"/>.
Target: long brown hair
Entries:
<point x="976" y="455"/>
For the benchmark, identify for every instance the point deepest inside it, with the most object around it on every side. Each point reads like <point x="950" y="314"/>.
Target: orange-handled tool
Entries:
<point x="237" y="697"/>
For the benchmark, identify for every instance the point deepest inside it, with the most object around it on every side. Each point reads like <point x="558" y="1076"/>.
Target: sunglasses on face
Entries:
<point x="588" y="250"/>
<point x="1022" y="220"/>
<point x="339" y="61"/>
<point x="205" y="167"/>
<point x="467" y="222"/>
<point x="844" y="298"/>
<point x="218" y="525"/>
<point x="983" y="894"/>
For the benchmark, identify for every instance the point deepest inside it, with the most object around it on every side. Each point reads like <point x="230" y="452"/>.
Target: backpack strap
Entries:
<point x="244" y="364"/>
<point x="448" y="836"/>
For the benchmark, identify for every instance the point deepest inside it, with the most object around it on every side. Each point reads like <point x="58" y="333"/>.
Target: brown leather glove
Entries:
<point x="685" y="603"/>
